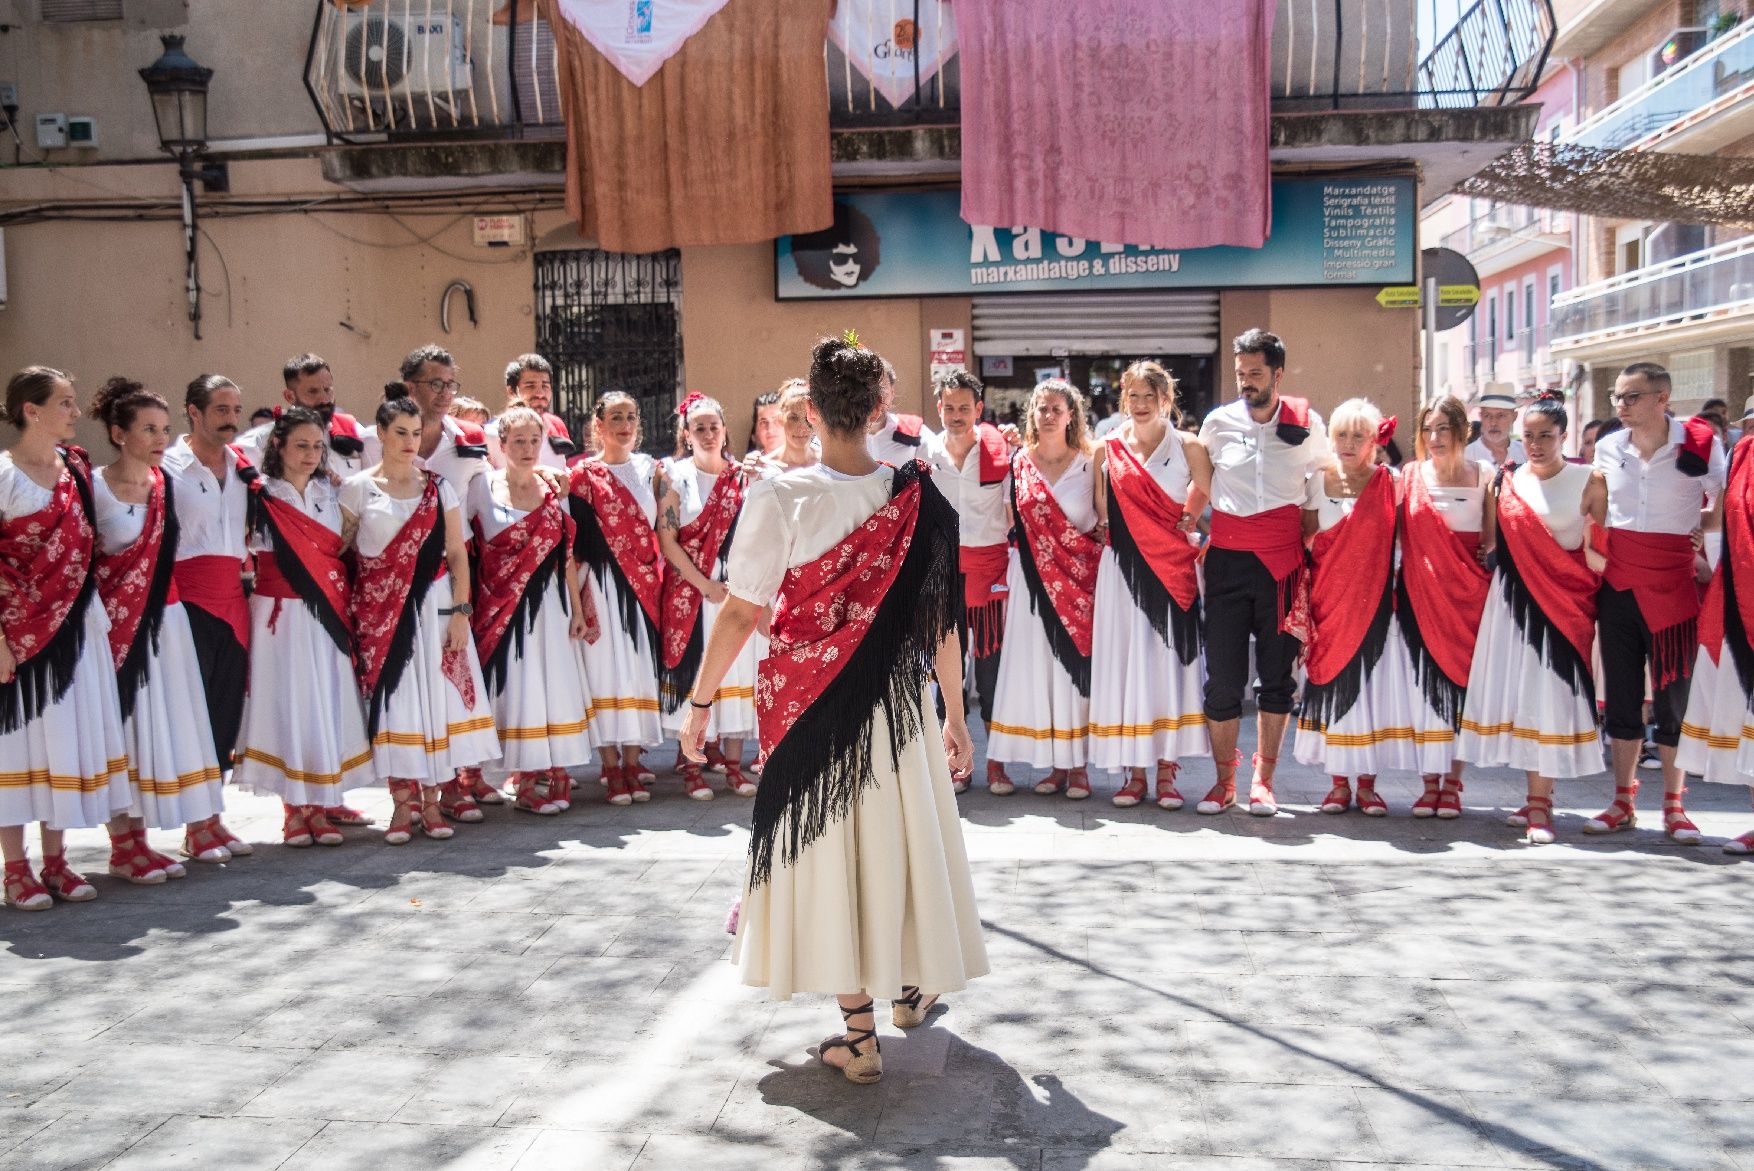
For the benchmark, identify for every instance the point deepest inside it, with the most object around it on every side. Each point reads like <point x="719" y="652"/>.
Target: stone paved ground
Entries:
<point x="1169" y="991"/>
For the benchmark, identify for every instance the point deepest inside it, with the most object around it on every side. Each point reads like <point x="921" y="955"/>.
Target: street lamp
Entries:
<point x="178" y="87"/>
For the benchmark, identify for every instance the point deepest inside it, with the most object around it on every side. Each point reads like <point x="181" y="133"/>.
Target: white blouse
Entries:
<point x="1329" y="510"/>
<point x="493" y="515"/>
<point x="1558" y="501"/>
<point x="19" y="494"/>
<point x="319" y="502"/>
<point x="1168" y="465"/>
<point x="636" y="474"/>
<point x="119" y="524"/>
<point x="381" y="516"/>
<point x="1463" y="509"/>
<point x="793" y="519"/>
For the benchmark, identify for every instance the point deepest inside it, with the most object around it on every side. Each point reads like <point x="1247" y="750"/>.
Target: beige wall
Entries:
<point x="101" y="299"/>
<point x="1339" y="344"/>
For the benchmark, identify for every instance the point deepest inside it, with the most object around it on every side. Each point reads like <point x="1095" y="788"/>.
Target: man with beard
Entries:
<point x="897" y="439"/>
<point x="212" y="480"/>
<point x="1263" y="446"/>
<point x="529" y="380"/>
<point x="1497" y="417"/>
<point x="310" y="383"/>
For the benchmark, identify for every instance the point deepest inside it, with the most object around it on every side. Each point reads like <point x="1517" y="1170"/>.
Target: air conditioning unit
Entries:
<point x="385" y="55"/>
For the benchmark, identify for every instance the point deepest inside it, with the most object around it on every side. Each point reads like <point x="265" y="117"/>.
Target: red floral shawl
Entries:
<point x="388" y="592"/>
<point x="1441" y="596"/>
<point x="612" y="535"/>
<point x="46" y="558"/>
<point x="516" y="570"/>
<point x="854" y="633"/>
<point x="702" y="540"/>
<point x="1551" y="591"/>
<point x="1722" y="624"/>
<point x="306" y="563"/>
<point x="136" y="584"/>
<point x="1155" y="557"/>
<point x="1059" y="565"/>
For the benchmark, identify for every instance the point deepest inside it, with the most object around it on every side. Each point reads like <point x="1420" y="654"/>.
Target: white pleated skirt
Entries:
<point x="1039" y="718"/>
<point x="1145" y="703"/>
<point x="303" y="737"/>
<point x="733" y="714"/>
<point x="426" y="731"/>
<point x="171" y="766"/>
<point x="1390" y="727"/>
<point x="621" y="673"/>
<point x="883" y="899"/>
<point x="68" y="768"/>
<point x="1717" y="730"/>
<point x="1518" y="714"/>
<point x="543" y="712"/>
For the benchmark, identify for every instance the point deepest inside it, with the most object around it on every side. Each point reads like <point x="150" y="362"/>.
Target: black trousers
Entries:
<point x="1242" y="601"/>
<point x="1624" y="638"/>
<point x="984" y="680"/>
<point x="225" y="677"/>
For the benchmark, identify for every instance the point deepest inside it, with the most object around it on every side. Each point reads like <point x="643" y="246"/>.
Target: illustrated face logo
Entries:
<point x="842" y="255"/>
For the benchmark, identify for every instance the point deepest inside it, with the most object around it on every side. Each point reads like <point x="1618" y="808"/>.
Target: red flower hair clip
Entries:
<point x="1385" y="431"/>
<point x="688" y="400"/>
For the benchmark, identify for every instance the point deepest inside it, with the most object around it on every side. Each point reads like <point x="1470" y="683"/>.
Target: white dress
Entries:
<point x="733" y="714"/>
<point x="303" y="737"/>
<point x="426" y="731"/>
<point x="68" y="768"/>
<point x="884" y="898"/>
<point x="1434" y="739"/>
<point x="621" y="668"/>
<point x="1518" y="714"/>
<point x="1717" y="731"/>
<point x="171" y="763"/>
<point x="543" y="712"/>
<point x="1039" y="718"/>
<point x="1377" y="733"/>
<point x="1145" y="703"/>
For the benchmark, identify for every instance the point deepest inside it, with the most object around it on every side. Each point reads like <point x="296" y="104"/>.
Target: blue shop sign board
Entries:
<point x="1331" y="231"/>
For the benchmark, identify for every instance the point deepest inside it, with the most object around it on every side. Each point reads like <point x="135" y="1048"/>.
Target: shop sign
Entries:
<point x="1331" y="232"/>
<point x="999" y="367"/>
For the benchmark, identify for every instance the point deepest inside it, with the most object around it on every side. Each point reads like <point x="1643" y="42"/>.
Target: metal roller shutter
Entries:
<point x="1143" y="323"/>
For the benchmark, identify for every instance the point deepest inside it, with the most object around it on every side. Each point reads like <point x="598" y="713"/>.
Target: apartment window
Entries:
<point x="1510" y="314"/>
<point x="1555" y="286"/>
<point x="1492" y="328"/>
<point x="1529" y="318"/>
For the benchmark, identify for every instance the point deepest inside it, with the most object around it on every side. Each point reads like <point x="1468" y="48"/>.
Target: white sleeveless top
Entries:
<point x="119" y="524"/>
<point x="1168" y="465"/>
<point x="381" y="516"/>
<point x="693" y="487"/>
<point x="1329" y="510"/>
<point x="1462" y="509"/>
<point x="636" y="475"/>
<point x="1076" y="492"/>
<point x="492" y="515"/>
<point x="1558" y="501"/>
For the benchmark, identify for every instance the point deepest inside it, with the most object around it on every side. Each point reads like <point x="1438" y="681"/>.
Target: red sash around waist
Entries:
<point x="984" y="592"/>
<point x="304" y="563"/>
<point x="1658" y="569"/>
<point x="215" y="584"/>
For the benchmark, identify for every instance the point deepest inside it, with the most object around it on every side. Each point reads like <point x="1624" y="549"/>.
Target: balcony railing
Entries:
<point x="1505" y="223"/>
<point x="1715" y="283"/>
<point x="398" y="69"/>
<point x="1718" y="75"/>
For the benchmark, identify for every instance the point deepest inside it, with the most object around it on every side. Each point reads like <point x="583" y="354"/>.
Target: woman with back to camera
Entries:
<point x="172" y="767"/>
<point x="426" y="704"/>
<point x="1447" y="507"/>
<point x="1531" y="699"/>
<point x="858" y="882"/>
<point x="701" y="498"/>
<point x="1041" y="709"/>
<point x="614" y="504"/>
<point x="532" y="621"/>
<point x="61" y="729"/>
<point x="304" y="737"/>
<point x="1146" y="671"/>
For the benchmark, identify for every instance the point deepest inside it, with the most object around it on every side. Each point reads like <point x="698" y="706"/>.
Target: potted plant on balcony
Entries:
<point x="1722" y="23"/>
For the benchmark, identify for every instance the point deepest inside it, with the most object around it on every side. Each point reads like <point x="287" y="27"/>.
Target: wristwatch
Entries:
<point x="463" y="608"/>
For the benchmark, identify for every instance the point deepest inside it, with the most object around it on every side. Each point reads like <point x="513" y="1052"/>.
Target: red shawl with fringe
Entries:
<point x="135" y="583"/>
<point x="1153" y="522"/>
<point x="306" y="564"/>
<point x="1059" y="563"/>
<point x="612" y="527"/>
<point x="1445" y="584"/>
<point x="701" y="539"/>
<point x="1349" y="590"/>
<point x="1721" y="624"/>
<point x="1557" y="581"/>
<point x="515" y="570"/>
<point x="46" y="558"/>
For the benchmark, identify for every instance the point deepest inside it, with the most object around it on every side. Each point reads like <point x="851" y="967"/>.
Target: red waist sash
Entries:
<point x="1275" y="537"/>
<point x="215" y="584"/>
<point x="1349" y="590"/>
<point x="984" y="591"/>
<point x="517" y="569"/>
<point x="46" y="559"/>
<point x="1658" y="569"/>
<point x="1059" y="565"/>
<point x="306" y="563"/>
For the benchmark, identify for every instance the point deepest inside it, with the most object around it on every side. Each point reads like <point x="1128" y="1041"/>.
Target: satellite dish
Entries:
<point x="377" y="53"/>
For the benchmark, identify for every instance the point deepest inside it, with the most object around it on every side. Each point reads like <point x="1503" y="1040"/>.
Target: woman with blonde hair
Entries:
<point x="1357" y="717"/>
<point x="1041" y="709"/>
<point x="1446" y="532"/>
<point x="615" y="509"/>
<point x="1146" y="669"/>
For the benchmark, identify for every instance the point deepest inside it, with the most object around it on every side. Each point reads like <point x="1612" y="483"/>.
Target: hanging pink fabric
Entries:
<point x="1126" y="121"/>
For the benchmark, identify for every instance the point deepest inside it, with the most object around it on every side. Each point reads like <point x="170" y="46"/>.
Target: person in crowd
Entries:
<point x="261" y="417"/>
<point x="304" y="738"/>
<point x="61" y="726"/>
<point x="1357" y="717"/>
<point x="858" y="882"/>
<point x="1263" y="446"/>
<point x="1446" y="534"/>
<point x="211" y="476"/>
<point x="1496" y="445"/>
<point x="426" y="703"/>
<point x="529" y="381"/>
<point x="172" y="768"/>
<point x="1531" y="701"/>
<point x="767" y="432"/>
<point x="1105" y="419"/>
<point x="1146" y="668"/>
<point x="797" y="447"/>
<point x="614" y="498"/>
<point x="311" y="384"/>
<point x="1662" y="475"/>
<point x="699" y="496"/>
<point x="532" y="619"/>
<point x="470" y="410"/>
<point x="1586" y="442"/>
<point x="896" y="439"/>
<point x="1041" y="709"/>
<point x="971" y="464"/>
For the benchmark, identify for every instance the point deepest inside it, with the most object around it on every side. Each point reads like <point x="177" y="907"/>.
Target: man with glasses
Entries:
<point x="1663" y="476"/>
<point x="1497" y="418"/>
<point x="310" y="383"/>
<point x="452" y="449"/>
